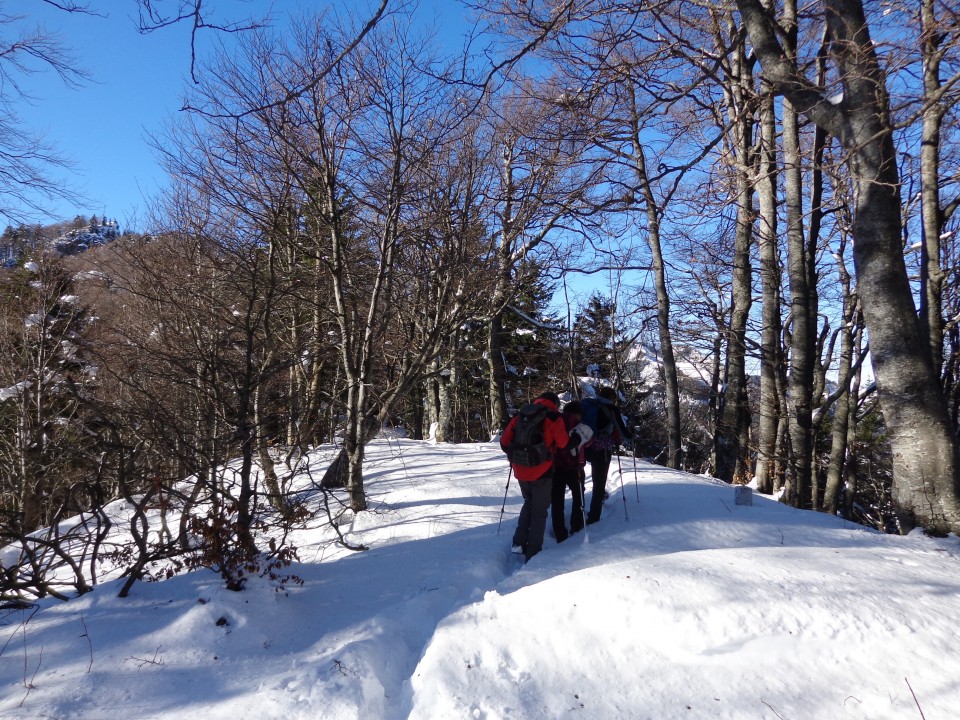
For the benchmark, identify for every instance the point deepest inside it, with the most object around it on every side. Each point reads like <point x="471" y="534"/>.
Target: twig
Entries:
<point x="23" y="623"/>
<point x="147" y="661"/>
<point x="771" y="708"/>
<point x="920" y="709"/>
<point x="86" y="634"/>
<point x="26" y="658"/>
<point x="29" y="684"/>
<point x="726" y="506"/>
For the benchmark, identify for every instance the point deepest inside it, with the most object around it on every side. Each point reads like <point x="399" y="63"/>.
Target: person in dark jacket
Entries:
<point x="536" y="483"/>
<point x="609" y="433"/>
<point x="568" y="473"/>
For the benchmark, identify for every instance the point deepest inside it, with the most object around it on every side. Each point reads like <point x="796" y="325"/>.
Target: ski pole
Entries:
<point x="636" y="486"/>
<point x="582" y="482"/>
<point x="623" y="493"/>
<point x="509" y="474"/>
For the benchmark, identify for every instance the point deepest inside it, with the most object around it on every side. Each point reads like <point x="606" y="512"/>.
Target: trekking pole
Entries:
<point x="509" y="474"/>
<point x="582" y="482"/>
<point x="623" y="493"/>
<point x="636" y="486"/>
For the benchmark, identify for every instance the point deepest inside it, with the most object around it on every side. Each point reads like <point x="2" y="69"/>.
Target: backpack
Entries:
<point x="597" y="415"/>
<point x="528" y="448"/>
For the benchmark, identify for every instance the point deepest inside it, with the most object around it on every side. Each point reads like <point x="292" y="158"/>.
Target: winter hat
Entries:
<point x="552" y="397"/>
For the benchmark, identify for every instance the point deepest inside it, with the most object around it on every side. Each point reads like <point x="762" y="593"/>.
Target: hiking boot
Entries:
<point x="591" y="519"/>
<point x="517" y="549"/>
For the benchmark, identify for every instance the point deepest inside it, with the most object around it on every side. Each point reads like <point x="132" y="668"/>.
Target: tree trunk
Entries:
<point x="848" y="480"/>
<point x="839" y="447"/>
<point x="497" y="375"/>
<point x="274" y="492"/>
<point x="445" y="385"/>
<point x="768" y="471"/>
<point x="800" y="486"/>
<point x="733" y="427"/>
<point x="346" y="470"/>
<point x="931" y="273"/>
<point x="671" y="385"/>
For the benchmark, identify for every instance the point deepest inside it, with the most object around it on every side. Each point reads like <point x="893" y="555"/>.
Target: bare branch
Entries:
<point x="296" y="92"/>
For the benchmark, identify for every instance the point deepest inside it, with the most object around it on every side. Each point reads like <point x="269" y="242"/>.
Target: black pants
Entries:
<point x="533" y="514"/>
<point x="600" y="466"/>
<point x="564" y="478"/>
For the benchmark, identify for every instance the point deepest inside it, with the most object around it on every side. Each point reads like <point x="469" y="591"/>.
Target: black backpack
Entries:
<point x="528" y="448"/>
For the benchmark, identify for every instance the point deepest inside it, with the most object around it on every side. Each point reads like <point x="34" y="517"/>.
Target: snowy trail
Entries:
<point x="695" y="608"/>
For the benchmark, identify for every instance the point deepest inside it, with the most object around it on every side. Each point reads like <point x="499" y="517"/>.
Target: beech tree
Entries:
<point x="375" y="170"/>
<point x="926" y="473"/>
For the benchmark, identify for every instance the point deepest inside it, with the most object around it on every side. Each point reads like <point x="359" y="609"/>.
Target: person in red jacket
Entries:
<point x="536" y="482"/>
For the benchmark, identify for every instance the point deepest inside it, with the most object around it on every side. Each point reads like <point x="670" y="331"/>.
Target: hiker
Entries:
<point x="568" y="473"/>
<point x="531" y="440"/>
<point x="604" y="418"/>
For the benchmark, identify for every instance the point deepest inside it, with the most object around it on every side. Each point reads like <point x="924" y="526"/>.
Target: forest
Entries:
<point x="366" y="228"/>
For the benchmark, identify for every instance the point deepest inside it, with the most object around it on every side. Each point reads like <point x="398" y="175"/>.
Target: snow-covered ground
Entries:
<point x="679" y="604"/>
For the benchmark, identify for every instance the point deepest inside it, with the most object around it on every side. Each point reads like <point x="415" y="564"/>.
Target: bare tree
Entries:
<point x="358" y="165"/>
<point x="938" y="46"/>
<point x="740" y="105"/>
<point x="769" y="461"/>
<point x="46" y="475"/>
<point x="623" y="84"/>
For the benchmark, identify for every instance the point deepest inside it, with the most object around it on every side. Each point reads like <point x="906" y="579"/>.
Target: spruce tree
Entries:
<point x="535" y="340"/>
<point x="594" y="334"/>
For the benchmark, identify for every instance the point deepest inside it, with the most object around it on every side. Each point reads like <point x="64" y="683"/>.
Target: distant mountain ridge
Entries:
<point x="65" y="238"/>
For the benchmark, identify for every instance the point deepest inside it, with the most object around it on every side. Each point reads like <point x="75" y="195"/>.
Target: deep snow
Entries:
<point x="693" y="607"/>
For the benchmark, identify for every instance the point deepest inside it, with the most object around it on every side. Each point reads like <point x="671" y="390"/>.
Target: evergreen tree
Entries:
<point x="535" y="341"/>
<point x="594" y="337"/>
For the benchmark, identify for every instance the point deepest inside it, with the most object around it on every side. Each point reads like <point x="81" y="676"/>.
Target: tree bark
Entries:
<point x="768" y="471"/>
<point x="931" y="273"/>
<point x="800" y="487"/>
<point x="839" y="444"/>
<point x="731" y="441"/>
<point x="671" y="384"/>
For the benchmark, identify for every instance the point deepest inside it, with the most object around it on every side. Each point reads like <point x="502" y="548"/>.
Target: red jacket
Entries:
<point x="554" y="436"/>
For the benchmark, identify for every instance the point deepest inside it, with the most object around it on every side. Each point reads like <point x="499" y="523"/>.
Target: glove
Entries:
<point x="583" y="432"/>
<point x="579" y="436"/>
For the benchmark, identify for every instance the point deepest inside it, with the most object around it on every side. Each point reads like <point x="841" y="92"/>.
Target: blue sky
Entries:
<point x="138" y="81"/>
<point x="101" y="127"/>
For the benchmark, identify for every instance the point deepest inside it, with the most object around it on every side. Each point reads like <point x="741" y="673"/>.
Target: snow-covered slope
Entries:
<point x="679" y="604"/>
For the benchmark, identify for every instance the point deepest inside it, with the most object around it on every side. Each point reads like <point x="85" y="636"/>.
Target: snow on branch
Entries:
<point x="536" y="323"/>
